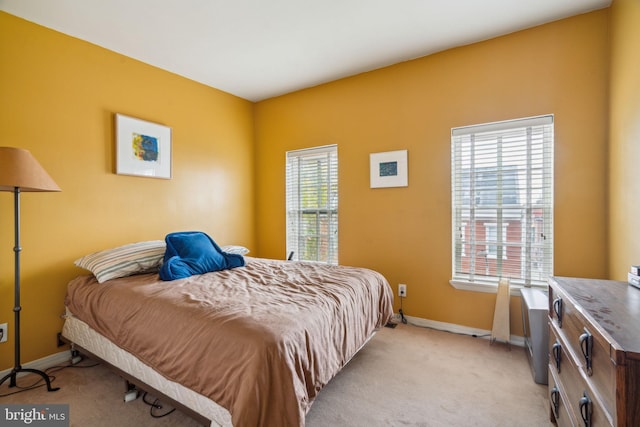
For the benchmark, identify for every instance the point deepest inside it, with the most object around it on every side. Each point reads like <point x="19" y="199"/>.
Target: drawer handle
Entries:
<point x="586" y="345"/>
<point x="557" y="308"/>
<point x="585" y="409"/>
<point x="555" y="400"/>
<point x="557" y="354"/>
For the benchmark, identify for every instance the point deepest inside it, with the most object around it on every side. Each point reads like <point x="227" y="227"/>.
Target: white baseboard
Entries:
<point x="44" y="363"/>
<point x="456" y="329"/>
<point x="65" y="356"/>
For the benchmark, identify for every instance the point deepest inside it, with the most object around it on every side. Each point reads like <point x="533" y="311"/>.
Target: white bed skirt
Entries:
<point x="81" y="334"/>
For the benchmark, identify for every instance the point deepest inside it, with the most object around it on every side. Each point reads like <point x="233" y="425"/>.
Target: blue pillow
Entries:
<point x="194" y="252"/>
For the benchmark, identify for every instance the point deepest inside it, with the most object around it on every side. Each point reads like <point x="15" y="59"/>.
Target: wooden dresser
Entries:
<point x="594" y="352"/>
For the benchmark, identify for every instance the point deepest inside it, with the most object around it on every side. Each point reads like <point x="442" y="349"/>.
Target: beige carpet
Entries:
<point x="407" y="376"/>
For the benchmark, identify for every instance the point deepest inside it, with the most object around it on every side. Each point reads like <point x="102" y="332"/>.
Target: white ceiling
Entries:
<point x="257" y="49"/>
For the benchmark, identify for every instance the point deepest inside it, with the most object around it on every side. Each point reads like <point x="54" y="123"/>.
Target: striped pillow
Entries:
<point x="235" y="249"/>
<point x="134" y="258"/>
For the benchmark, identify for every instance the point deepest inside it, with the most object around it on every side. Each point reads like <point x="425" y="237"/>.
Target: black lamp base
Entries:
<point x="14" y="372"/>
<point x="16" y="309"/>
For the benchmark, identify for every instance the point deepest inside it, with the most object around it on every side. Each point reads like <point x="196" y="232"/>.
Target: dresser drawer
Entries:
<point x="568" y="412"/>
<point x="560" y="412"/>
<point x="590" y="351"/>
<point x="582" y="399"/>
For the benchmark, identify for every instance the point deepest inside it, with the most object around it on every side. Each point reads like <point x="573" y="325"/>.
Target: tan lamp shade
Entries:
<point x="18" y="168"/>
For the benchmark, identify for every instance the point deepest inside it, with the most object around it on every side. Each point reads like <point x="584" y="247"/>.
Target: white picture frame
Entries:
<point x="142" y="148"/>
<point x="388" y="169"/>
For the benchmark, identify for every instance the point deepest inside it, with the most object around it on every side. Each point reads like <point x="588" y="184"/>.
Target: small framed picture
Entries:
<point x="389" y="169"/>
<point x="142" y="148"/>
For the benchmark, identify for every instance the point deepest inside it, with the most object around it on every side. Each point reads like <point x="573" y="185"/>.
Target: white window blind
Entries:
<point x="312" y="204"/>
<point x="502" y="179"/>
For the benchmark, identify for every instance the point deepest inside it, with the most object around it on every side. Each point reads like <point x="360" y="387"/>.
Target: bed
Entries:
<point x="246" y="346"/>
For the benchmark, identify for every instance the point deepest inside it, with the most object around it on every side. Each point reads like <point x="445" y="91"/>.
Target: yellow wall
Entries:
<point x="57" y="99"/>
<point x="405" y="233"/>
<point x="624" y="184"/>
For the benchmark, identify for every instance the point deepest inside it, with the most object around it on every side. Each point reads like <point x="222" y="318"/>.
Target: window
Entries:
<point x="491" y="233"/>
<point x="312" y="204"/>
<point x="502" y="179"/>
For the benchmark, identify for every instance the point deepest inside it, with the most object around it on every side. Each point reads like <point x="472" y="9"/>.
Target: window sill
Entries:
<point x="490" y="288"/>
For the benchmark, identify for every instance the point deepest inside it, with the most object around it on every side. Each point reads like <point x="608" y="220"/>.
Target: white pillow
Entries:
<point x="235" y="249"/>
<point x="134" y="258"/>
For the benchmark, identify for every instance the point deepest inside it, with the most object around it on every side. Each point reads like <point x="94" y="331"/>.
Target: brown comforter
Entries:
<point x="259" y="340"/>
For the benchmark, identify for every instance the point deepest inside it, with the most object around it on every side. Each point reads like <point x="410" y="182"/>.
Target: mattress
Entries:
<point x="78" y="332"/>
<point x="261" y="340"/>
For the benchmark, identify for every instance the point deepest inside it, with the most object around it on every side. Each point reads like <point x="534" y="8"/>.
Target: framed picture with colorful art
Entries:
<point x="388" y="169"/>
<point x="142" y="148"/>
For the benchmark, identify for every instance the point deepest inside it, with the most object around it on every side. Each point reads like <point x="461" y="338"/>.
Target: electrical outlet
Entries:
<point x="4" y="332"/>
<point x="402" y="290"/>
